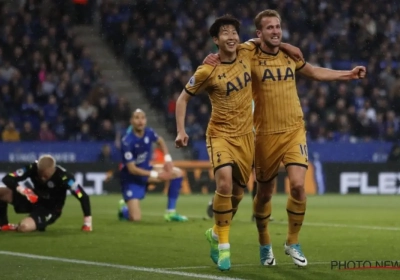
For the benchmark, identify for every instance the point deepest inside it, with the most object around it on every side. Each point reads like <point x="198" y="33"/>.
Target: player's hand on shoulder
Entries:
<point x="212" y="59"/>
<point x="87" y="224"/>
<point x="181" y="140"/>
<point x="294" y="52"/>
<point x="358" y="72"/>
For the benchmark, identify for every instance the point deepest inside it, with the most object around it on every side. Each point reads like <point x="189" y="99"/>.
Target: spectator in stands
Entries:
<point x="30" y="111"/>
<point x="104" y="109"/>
<point x="107" y="132"/>
<point x="121" y="113"/>
<point x="84" y="135"/>
<point x="163" y="54"/>
<point x="50" y="110"/>
<point x="7" y="71"/>
<point x="47" y="74"/>
<point x="394" y="155"/>
<point x="60" y="129"/>
<point x="72" y="123"/>
<point x="85" y="110"/>
<point x="45" y="134"/>
<point x="28" y="134"/>
<point x="10" y="133"/>
<point x="105" y="154"/>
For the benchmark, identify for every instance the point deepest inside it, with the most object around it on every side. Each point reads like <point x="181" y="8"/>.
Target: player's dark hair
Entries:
<point x="221" y="21"/>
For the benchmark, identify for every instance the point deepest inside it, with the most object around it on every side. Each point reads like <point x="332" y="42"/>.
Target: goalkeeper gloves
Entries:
<point x="28" y="193"/>
<point x="87" y="223"/>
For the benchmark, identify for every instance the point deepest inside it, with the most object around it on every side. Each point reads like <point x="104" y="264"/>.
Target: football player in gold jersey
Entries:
<point x="230" y="139"/>
<point x="280" y="130"/>
<point x="230" y="136"/>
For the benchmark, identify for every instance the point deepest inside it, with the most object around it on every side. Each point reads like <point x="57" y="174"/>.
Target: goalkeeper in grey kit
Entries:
<point x="44" y="200"/>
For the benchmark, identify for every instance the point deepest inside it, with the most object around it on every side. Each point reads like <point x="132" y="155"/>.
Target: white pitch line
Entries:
<point x="126" y="267"/>
<point x="304" y="224"/>
<point x="238" y="265"/>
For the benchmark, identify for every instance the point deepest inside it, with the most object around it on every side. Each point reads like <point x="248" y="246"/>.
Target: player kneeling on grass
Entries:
<point x="45" y="201"/>
<point x="137" y="173"/>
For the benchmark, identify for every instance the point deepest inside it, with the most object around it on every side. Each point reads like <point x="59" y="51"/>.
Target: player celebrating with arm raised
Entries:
<point x="230" y="136"/>
<point x="137" y="173"/>
<point x="280" y="131"/>
<point x="45" y="201"/>
<point x="230" y="139"/>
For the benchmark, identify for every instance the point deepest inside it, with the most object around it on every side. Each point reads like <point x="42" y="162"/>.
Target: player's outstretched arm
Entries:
<point x="180" y="112"/>
<point x="79" y="193"/>
<point x="326" y="74"/>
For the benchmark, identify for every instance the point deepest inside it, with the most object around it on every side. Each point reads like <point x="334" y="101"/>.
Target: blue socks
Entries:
<point x="173" y="193"/>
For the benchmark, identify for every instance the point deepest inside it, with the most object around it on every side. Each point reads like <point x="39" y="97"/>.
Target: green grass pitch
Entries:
<point x="341" y="228"/>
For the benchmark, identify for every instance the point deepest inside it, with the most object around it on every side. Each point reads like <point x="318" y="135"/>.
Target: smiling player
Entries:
<point x="230" y="139"/>
<point x="280" y="132"/>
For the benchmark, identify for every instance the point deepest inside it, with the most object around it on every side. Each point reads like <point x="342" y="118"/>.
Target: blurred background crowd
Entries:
<point x="51" y="88"/>
<point x="164" y="45"/>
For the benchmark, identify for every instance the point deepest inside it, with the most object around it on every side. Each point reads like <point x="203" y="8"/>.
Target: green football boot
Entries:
<point x="224" y="259"/>
<point x="174" y="217"/>
<point x="213" y="246"/>
<point x="121" y="205"/>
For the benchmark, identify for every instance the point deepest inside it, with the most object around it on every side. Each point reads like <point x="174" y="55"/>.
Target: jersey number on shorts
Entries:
<point x="303" y="151"/>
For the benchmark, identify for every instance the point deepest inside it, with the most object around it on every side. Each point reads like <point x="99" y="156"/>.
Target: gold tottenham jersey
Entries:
<point x="230" y="91"/>
<point x="277" y="105"/>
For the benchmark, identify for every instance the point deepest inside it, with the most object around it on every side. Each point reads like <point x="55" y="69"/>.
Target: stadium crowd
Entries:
<point x="50" y="87"/>
<point x="164" y="44"/>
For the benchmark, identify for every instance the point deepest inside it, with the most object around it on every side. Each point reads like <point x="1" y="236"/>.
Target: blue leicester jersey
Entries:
<point x="138" y="150"/>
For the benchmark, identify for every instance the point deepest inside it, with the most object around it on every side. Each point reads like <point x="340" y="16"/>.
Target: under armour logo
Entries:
<point x="262" y="62"/>
<point x="219" y="157"/>
<point x="221" y="76"/>
<point x="244" y="66"/>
